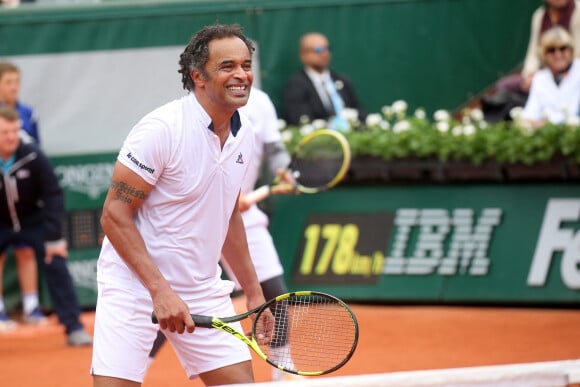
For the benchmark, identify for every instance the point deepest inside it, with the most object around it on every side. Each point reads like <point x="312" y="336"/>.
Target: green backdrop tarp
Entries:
<point x="430" y="243"/>
<point x="431" y="53"/>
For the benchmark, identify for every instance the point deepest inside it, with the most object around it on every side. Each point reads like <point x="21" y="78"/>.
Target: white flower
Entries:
<point x="286" y="136"/>
<point x="399" y="106"/>
<point x="420" y="113"/>
<point x="465" y="120"/>
<point x="442" y="126"/>
<point x="305" y="130"/>
<point x="387" y="111"/>
<point x="373" y="119"/>
<point x="523" y="125"/>
<point x="469" y="130"/>
<point x="573" y="121"/>
<point x="516" y="112"/>
<point x="476" y="115"/>
<point x="319" y="124"/>
<point x="349" y="114"/>
<point x="384" y="125"/>
<point x="401" y="126"/>
<point x="442" y="115"/>
<point x="457" y="130"/>
<point x="526" y="127"/>
<point x="304" y="120"/>
<point x="281" y="124"/>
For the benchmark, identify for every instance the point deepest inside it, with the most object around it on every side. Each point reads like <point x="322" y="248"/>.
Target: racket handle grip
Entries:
<point x="200" y="321"/>
<point x="258" y="194"/>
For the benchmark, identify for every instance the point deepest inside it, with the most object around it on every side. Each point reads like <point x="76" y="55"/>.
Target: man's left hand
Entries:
<point x="55" y="248"/>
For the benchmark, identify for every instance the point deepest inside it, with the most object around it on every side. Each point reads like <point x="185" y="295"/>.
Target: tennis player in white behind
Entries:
<point x="271" y="150"/>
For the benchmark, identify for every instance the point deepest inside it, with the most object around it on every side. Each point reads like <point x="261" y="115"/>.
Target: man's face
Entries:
<point x="558" y="57"/>
<point x="315" y="52"/>
<point x="229" y="73"/>
<point x="9" y="87"/>
<point x="9" y="138"/>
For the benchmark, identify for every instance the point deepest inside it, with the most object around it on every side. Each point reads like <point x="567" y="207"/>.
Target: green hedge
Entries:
<point x="394" y="136"/>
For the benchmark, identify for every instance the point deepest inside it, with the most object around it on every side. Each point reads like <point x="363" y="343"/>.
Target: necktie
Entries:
<point x="337" y="122"/>
<point x="335" y="99"/>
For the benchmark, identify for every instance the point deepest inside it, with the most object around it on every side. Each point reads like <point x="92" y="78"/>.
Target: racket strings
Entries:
<point x="312" y="334"/>
<point x="319" y="161"/>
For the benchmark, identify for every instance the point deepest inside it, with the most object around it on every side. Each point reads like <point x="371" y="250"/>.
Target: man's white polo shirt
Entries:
<point x="185" y="219"/>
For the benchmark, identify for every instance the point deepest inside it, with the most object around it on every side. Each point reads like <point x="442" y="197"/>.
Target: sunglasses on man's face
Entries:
<point x="551" y="50"/>
<point x="320" y="49"/>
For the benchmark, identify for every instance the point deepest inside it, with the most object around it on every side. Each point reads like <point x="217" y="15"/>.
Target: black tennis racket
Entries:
<point x="314" y="333"/>
<point x="319" y="162"/>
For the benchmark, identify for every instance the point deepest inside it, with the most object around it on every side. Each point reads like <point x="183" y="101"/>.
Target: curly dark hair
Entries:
<point x="196" y="54"/>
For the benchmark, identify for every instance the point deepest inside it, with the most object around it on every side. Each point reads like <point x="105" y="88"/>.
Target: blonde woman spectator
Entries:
<point x="555" y="91"/>
<point x="563" y="13"/>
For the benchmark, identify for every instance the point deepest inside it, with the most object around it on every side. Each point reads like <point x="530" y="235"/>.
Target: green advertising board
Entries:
<point x="85" y="181"/>
<point x="462" y="243"/>
<point x="416" y="243"/>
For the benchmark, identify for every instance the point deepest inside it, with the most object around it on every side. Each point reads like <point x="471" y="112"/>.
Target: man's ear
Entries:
<point x="197" y="78"/>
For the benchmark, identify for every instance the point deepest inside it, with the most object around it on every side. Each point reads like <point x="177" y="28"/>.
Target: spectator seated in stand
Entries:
<point x="513" y="90"/>
<point x="555" y="91"/>
<point x="316" y="91"/>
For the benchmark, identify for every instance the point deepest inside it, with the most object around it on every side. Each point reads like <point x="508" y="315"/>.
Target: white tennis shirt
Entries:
<point x="264" y="123"/>
<point x="185" y="219"/>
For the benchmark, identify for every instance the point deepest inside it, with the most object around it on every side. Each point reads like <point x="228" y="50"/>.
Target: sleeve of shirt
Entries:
<point x="275" y="153"/>
<point x="269" y="120"/>
<point x="145" y="148"/>
<point x="532" y="109"/>
<point x="575" y="28"/>
<point x="532" y="60"/>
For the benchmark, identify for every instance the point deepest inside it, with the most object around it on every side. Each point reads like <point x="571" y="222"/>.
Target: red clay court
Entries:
<point x="392" y="338"/>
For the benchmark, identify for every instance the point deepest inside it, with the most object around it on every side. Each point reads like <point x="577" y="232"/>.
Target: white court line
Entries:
<point x="553" y="374"/>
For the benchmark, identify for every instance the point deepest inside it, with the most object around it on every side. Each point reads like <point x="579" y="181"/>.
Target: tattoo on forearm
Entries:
<point x="126" y="193"/>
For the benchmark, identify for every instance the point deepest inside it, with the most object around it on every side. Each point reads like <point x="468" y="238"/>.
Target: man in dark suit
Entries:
<point x="312" y="92"/>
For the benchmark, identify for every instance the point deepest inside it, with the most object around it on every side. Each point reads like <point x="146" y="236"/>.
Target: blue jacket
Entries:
<point x="28" y="121"/>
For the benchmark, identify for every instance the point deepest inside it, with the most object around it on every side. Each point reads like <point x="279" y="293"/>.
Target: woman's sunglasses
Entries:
<point x="551" y="50"/>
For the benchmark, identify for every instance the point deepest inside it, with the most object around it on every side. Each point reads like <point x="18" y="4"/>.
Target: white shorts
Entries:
<point x="264" y="256"/>
<point x="124" y="336"/>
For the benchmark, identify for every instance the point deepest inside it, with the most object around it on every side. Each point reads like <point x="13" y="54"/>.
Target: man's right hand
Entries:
<point x="172" y="312"/>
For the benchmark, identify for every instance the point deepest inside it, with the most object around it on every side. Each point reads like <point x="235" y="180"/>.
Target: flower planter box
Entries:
<point x="489" y="170"/>
<point x="367" y="169"/>
<point x="370" y="169"/>
<point x="461" y="140"/>
<point x="415" y="170"/>
<point x="552" y="170"/>
<point x="573" y="170"/>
